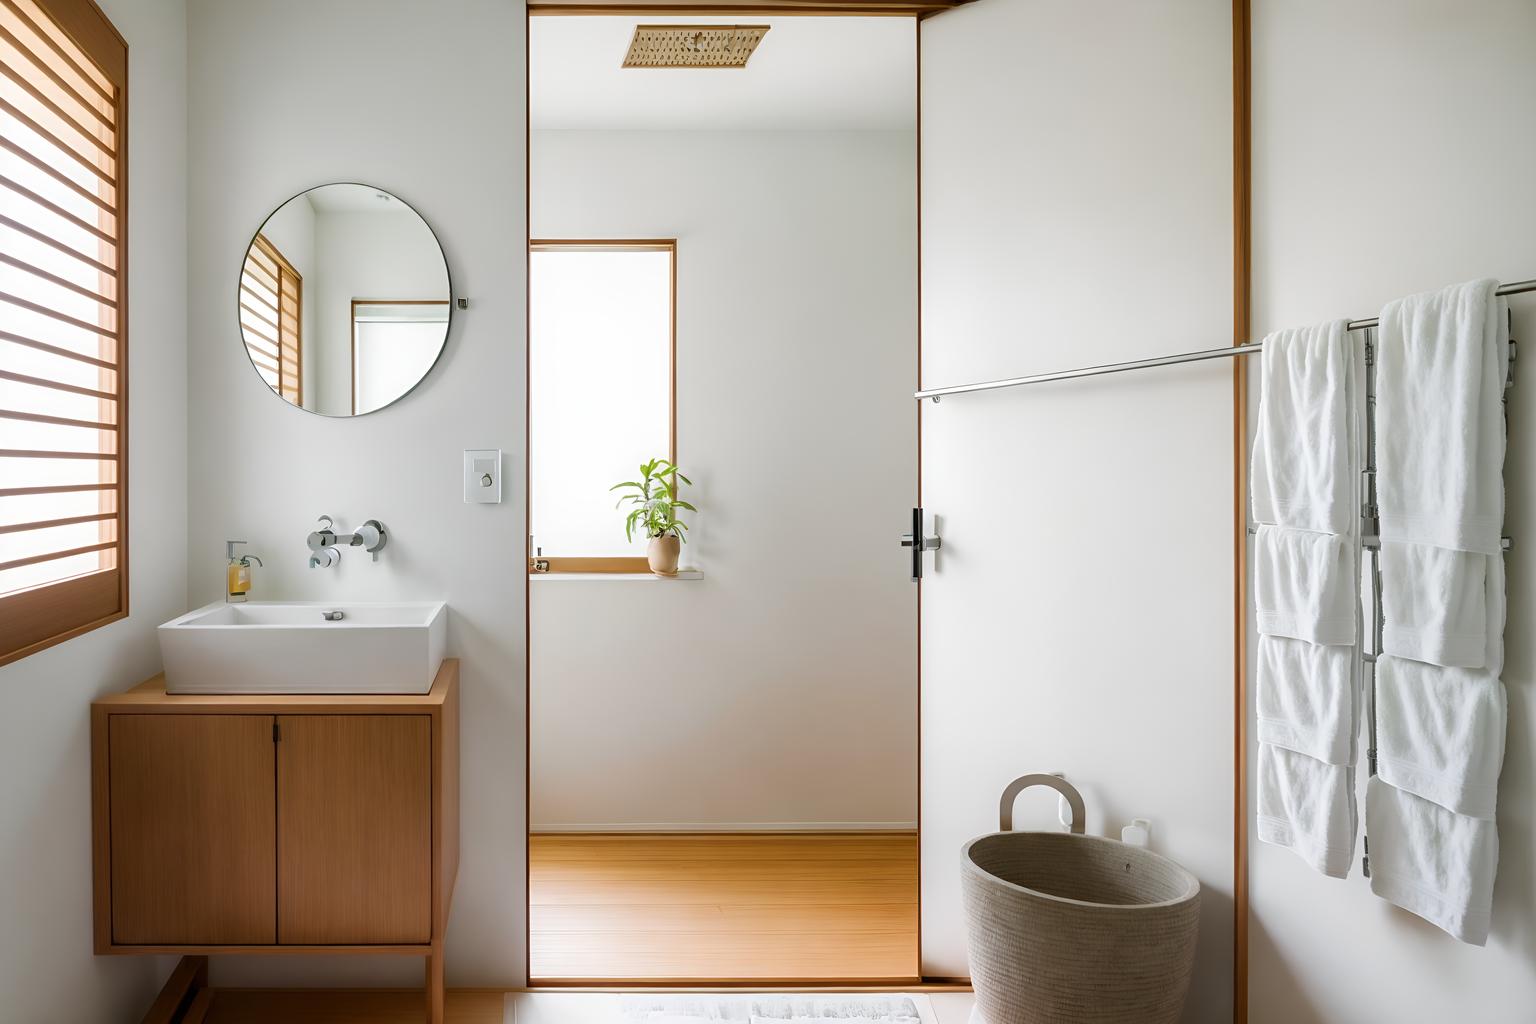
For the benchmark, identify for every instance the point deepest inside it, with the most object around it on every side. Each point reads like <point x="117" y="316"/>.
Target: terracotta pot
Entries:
<point x="662" y="554"/>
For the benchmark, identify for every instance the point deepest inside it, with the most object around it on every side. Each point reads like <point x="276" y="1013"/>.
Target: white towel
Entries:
<point x="1427" y="860"/>
<point x="1302" y="469"/>
<point x="1441" y="363"/>
<point x="1498" y="615"/>
<point x="1308" y="807"/>
<point x="1434" y="604"/>
<point x="1304" y="585"/>
<point x="1305" y="698"/>
<point x="1440" y="733"/>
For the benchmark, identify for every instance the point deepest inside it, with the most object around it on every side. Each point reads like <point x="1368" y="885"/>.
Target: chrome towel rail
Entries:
<point x="1513" y="288"/>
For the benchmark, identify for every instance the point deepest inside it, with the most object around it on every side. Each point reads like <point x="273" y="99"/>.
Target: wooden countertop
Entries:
<point x="151" y="695"/>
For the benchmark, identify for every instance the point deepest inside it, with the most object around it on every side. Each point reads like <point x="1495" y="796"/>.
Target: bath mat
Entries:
<point x="770" y="1009"/>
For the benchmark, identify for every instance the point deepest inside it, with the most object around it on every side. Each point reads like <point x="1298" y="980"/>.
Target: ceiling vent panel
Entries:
<point x="693" y="46"/>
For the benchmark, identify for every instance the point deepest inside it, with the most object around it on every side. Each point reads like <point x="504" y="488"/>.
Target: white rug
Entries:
<point x="770" y="1008"/>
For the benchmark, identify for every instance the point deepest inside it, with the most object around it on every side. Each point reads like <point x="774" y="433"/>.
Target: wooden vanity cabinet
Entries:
<point x="276" y="824"/>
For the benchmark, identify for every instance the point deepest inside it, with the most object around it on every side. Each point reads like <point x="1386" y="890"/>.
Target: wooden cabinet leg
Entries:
<point x="435" y="984"/>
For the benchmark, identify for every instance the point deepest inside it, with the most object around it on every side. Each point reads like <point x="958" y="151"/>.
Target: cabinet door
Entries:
<point x="193" y="829"/>
<point x="354" y="835"/>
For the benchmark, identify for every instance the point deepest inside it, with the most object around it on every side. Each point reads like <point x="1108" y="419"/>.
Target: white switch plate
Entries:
<point x="482" y="476"/>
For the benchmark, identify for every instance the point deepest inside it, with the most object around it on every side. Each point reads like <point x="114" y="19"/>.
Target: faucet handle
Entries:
<point x="371" y="537"/>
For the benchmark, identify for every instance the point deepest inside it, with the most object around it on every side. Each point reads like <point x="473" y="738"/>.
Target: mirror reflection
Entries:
<point x="344" y="300"/>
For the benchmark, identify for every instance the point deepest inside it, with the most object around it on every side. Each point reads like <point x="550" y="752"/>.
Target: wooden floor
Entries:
<point x="724" y="907"/>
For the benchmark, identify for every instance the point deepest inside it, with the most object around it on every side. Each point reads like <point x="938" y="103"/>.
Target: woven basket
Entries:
<point x="1072" y="929"/>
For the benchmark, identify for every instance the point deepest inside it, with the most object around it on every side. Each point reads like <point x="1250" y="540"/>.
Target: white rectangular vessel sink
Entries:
<point x="304" y="647"/>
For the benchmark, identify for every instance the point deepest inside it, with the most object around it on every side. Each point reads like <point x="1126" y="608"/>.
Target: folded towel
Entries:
<point x="1305" y="698"/>
<point x="1498" y="613"/>
<point x="1304" y="585"/>
<point x="1440" y="733"/>
<point x="1441" y="363"/>
<point x="1434" y="604"/>
<point x="1430" y="861"/>
<point x="1302" y="470"/>
<point x="1308" y="807"/>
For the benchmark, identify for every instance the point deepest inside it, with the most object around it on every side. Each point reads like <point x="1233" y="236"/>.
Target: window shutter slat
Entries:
<point x="36" y="18"/>
<point x="63" y="485"/>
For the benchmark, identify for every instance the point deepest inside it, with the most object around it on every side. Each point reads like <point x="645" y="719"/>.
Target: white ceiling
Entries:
<point x="809" y="73"/>
<point x="352" y="198"/>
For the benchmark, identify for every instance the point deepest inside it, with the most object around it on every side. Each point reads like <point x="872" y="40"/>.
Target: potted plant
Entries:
<point x="656" y="504"/>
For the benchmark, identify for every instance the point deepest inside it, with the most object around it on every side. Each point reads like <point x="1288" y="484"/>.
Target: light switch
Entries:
<point x="482" y="476"/>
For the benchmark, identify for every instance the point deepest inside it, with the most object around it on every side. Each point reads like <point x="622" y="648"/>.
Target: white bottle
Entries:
<point x="1136" y="833"/>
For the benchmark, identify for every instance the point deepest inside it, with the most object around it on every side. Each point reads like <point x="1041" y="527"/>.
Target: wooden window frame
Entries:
<point x="616" y="564"/>
<point x="39" y="617"/>
<point x="285" y="271"/>
<point x="447" y="304"/>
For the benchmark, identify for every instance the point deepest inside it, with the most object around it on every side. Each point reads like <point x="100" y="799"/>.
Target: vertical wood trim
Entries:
<point x="527" y="498"/>
<point x="1242" y="189"/>
<point x="917" y="46"/>
<point x="436" y="996"/>
<point x="445" y="805"/>
<point x="101" y="833"/>
<point x="121" y="293"/>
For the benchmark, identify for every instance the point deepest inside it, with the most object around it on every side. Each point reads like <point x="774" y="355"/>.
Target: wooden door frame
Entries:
<point x="1241" y="326"/>
<point x="915" y="9"/>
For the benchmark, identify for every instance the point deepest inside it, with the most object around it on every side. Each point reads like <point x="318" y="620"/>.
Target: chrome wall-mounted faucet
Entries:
<point x="325" y="543"/>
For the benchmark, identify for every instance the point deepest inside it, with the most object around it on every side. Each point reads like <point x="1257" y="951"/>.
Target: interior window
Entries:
<point x="63" y="487"/>
<point x="600" y="387"/>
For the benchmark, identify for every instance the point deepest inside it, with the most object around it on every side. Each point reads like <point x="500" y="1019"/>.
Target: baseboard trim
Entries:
<point x="714" y="827"/>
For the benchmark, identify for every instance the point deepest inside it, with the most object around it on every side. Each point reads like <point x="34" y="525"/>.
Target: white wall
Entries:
<point x="47" y="970"/>
<point x="316" y="76"/>
<point x="786" y="695"/>
<point x="1393" y="154"/>
<point x="1077" y="210"/>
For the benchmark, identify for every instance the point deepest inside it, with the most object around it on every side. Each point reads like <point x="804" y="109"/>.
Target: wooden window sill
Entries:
<point x="682" y="574"/>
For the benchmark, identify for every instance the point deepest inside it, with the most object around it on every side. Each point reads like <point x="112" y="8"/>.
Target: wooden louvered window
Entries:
<point x="271" y="309"/>
<point x="63" y="319"/>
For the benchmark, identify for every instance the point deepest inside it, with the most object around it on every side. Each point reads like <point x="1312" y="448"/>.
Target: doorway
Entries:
<point x="723" y="777"/>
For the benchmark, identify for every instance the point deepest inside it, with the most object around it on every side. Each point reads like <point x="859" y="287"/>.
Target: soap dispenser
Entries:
<point x="237" y="573"/>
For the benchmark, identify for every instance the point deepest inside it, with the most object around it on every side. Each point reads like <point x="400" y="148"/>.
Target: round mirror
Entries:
<point x="344" y="300"/>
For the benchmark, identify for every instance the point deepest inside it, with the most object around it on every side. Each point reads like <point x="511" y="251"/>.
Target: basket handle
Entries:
<point x="1072" y="796"/>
